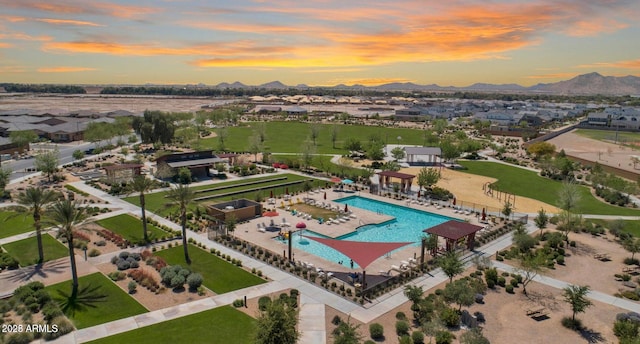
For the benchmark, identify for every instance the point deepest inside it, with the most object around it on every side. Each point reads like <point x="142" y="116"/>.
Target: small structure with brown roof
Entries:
<point x="122" y="172"/>
<point x="405" y="179"/>
<point x="454" y="231"/>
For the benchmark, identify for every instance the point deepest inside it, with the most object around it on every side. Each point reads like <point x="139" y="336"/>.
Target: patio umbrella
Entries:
<point x="454" y="201"/>
<point x="301" y="225"/>
<point x="418" y="193"/>
<point x="286" y="191"/>
<point x="271" y="194"/>
<point x="346" y="208"/>
<point x="347" y="181"/>
<point x="484" y="214"/>
<point x="325" y="196"/>
<point x="272" y="213"/>
<point x="336" y="180"/>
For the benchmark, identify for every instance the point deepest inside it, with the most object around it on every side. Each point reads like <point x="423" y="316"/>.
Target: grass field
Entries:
<point x="632" y="227"/>
<point x="526" y="183"/>
<point x="95" y="306"/>
<point x="287" y="137"/>
<point x="130" y="227"/>
<point x="11" y="225"/>
<point x="609" y="135"/>
<point x="25" y="251"/>
<point x="156" y="201"/>
<point x="217" y="326"/>
<point x="219" y="275"/>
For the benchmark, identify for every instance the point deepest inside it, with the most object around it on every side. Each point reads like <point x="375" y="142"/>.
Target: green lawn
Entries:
<point x="609" y="135"/>
<point x="219" y="275"/>
<point x="25" y="251"/>
<point x="12" y="225"/>
<point x="219" y="325"/>
<point x="156" y="201"/>
<point x="130" y="227"/>
<point x="96" y="306"/>
<point x="632" y="227"/>
<point x="287" y="137"/>
<point x="526" y="183"/>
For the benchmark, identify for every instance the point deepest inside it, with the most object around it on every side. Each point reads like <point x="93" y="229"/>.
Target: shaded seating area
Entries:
<point x="454" y="232"/>
<point x="405" y="180"/>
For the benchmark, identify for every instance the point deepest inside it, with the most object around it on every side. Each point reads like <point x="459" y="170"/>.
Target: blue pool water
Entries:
<point x="407" y="226"/>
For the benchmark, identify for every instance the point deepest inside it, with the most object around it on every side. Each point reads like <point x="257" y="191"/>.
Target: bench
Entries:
<point x="537" y="312"/>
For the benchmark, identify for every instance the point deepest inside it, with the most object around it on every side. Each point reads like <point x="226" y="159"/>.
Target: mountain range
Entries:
<point x="585" y="84"/>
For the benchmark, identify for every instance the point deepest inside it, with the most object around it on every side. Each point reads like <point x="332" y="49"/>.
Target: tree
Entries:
<point x="261" y="130"/>
<point x="306" y="155"/>
<point x="531" y="264"/>
<point x="460" y="293"/>
<point x="567" y="222"/>
<point x="230" y="223"/>
<point x="449" y="150"/>
<point x="343" y="165"/>
<point x="632" y="245"/>
<point x="184" y="175"/>
<point x="47" y="162"/>
<point x="522" y="239"/>
<point x="541" y="149"/>
<point x="576" y="297"/>
<point x="347" y="333"/>
<point x="98" y="131"/>
<point x="427" y="177"/>
<point x="391" y="166"/>
<point x="541" y="220"/>
<point x="507" y="209"/>
<point x="451" y="265"/>
<point x="315" y="131"/>
<point x="255" y="145"/>
<point x="181" y="196"/>
<point x="154" y="126"/>
<point x="375" y="150"/>
<point x="413" y="293"/>
<point x="352" y="144"/>
<point x="397" y="153"/>
<point x="77" y="154"/>
<point x="439" y="125"/>
<point x="277" y="324"/>
<point x="334" y="135"/>
<point x="66" y="215"/>
<point x="36" y="201"/>
<point x="223" y="133"/>
<point x="142" y="185"/>
<point x="21" y="138"/>
<point x="5" y="176"/>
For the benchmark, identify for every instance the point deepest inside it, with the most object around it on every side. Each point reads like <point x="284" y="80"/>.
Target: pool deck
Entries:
<point x="249" y="231"/>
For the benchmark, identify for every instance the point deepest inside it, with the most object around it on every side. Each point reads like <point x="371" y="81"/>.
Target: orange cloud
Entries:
<point x="63" y="69"/>
<point x="5" y="45"/>
<point x="25" y="37"/>
<point x="83" y="7"/>
<point x="12" y="69"/>
<point x="628" y="64"/>
<point x="67" y="22"/>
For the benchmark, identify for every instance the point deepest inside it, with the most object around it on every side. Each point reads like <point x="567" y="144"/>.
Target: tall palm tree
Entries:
<point x="142" y="185"/>
<point x="36" y="201"/>
<point x="181" y="196"/>
<point x="66" y="215"/>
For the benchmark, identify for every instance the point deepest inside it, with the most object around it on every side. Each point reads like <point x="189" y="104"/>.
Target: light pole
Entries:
<point x="399" y="138"/>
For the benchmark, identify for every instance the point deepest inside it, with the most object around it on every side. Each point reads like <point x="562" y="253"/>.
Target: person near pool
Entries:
<point x="351" y="263"/>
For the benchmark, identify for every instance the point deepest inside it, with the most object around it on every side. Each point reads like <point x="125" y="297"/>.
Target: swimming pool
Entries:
<point x="407" y="226"/>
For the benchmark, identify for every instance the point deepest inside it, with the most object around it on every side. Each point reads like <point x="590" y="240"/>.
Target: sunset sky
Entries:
<point x="316" y="42"/>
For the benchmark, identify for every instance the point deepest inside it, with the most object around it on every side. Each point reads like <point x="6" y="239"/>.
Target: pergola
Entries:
<point x="362" y="253"/>
<point x="415" y="155"/>
<point x="405" y="179"/>
<point x="453" y="231"/>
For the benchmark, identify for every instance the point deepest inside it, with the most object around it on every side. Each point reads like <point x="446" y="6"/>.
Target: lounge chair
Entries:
<point x="396" y="268"/>
<point x="353" y="216"/>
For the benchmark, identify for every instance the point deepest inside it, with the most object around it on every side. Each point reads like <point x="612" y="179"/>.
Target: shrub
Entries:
<point x="630" y="261"/>
<point x="336" y="319"/>
<point x="402" y="327"/>
<point x="177" y="281"/>
<point x="50" y="311"/>
<point x="514" y="283"/>
<point x="238" y="303"/>
<point x="264" y="302"/>
<point x="401" y="316"/>
<point x="117" y="275"/>
<point x="194" y="281"/>
<point x="20" y="338"/>
<point x="64" y="327"/>
<point x="502" y="281"/>
<point x="405" y="339"/>
<point x="417" y="337"/>
<point x="444" y="337"/>
<point x="509" y="288"/>
<point x="560" y="260"/>
<point x="123" y="264"/>
<point x="376" y="331"/>
<point x="450" y="317"/>
<point x="93" y="253"/>
<point x="132" y="286"/>
<point x="491" y="284"/>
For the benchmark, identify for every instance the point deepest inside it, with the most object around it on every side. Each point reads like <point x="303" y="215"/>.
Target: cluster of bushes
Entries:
<point x="176" y="276"/>
<point x="114" y="238"/>
<point x="291" y="299"/>
<point x="126" y="260"/>
<point x="80" y="240"/>
<point x="612" y="196"/>
<point x="7" y="261"/>
<point x="439" y="193"/>
<point x="627" y="327"/>
<point x="154" y="261"/>
<point x="30" y="299"/>
<point x="144" y="279"/>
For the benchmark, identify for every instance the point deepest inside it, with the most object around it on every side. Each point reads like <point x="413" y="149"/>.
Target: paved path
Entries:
<point x="313" y="297"/>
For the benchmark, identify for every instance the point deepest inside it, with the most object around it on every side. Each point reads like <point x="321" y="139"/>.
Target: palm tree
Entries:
<point x="142" y="185"/>
<point x="66" y="215"/>
<point x="181" y="196"/>
<point x="36" y="201"/>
